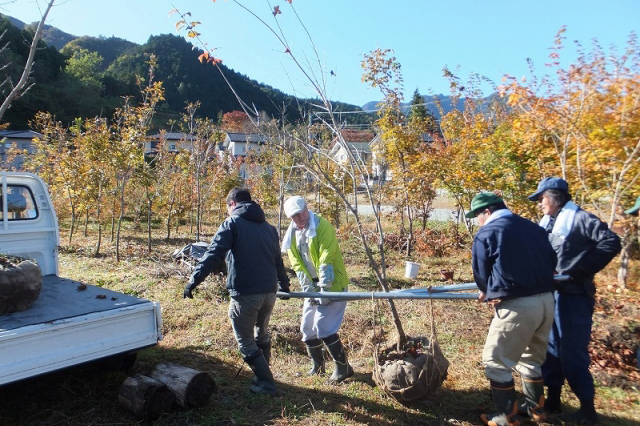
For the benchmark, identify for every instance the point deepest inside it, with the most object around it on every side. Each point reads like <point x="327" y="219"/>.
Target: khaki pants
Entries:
<point x="518" y="337"/>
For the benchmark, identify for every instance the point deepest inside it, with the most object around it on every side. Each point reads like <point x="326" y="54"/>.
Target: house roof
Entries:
<point x="172" y="136"/>
<point x="19" y="134"/>
<point x="246" y="137"/>
<point x="355" y="135"/>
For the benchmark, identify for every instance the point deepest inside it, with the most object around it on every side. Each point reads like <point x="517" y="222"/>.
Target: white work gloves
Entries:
<point x="325" y="281"/>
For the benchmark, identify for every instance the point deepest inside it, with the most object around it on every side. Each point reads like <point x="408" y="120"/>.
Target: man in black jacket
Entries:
<point x="584" y="245"/>
<point x="513" y="265"/>
<point x="255" y="273"/>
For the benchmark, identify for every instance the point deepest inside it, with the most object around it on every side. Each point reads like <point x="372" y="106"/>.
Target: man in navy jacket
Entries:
<point x="255" y="268"/>
<point x="513" y="266"/>
<point x="584" y="245"/>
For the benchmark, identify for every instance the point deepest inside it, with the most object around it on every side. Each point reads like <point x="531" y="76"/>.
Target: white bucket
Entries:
<point x="411" y="270"/>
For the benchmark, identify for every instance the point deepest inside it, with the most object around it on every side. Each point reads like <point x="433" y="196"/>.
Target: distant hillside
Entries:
<point x="89" y="92"/>
<point x="109" y="48"/>
<point x="431" y="102"/>
<point x="52" y="36"/>
<point x="436" y="103"/>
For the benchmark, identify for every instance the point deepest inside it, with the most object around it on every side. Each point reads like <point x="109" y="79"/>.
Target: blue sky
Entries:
<point x="487" y="37"/>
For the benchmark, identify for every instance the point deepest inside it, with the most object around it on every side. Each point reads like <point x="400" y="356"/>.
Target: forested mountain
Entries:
<point x="52" y="36"/>
<point x="90" y="76"/>
<point x="437" y="105"/>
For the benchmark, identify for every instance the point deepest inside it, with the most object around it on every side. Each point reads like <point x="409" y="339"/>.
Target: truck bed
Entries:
<point x="60" y="298"/>
<point x="66" y="326"/>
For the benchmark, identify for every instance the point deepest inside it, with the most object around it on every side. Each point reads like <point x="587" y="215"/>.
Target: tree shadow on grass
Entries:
<point x="88" y="394"/>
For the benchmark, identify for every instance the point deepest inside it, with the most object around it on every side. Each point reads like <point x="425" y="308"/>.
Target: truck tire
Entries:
<point x="120" y="361"/>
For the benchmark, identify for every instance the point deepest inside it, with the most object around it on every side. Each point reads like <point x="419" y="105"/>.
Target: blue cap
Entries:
<point x="549" y="183"/>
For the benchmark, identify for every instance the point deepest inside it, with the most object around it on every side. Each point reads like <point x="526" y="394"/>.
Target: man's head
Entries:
<point x="237" y="195"/>
<point x="483" y="205"/>
<point x="551" y="195"/>
<point x="296" y="209"/>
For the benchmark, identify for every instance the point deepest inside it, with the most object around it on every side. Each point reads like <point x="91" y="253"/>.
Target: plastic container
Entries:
<point x="411" y="270"/>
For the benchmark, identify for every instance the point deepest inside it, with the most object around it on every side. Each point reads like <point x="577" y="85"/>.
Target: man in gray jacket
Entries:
<point x="255" y="273"/>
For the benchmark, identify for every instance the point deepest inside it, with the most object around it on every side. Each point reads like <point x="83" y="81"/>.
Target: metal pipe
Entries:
<point x="439" y="292"/>
<point x="363" y="295"/>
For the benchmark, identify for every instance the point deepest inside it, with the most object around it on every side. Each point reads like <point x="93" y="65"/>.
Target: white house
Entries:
<point x="19" y="139"/>
<point x="241" y="144"/>
<point x="169" y="141"/>
<point x="359" y="143"/>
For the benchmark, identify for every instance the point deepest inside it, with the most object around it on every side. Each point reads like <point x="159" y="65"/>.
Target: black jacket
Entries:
<point x="511" y="258"/>
<point x="588" y="248"/>
<point x="252" y="250"/>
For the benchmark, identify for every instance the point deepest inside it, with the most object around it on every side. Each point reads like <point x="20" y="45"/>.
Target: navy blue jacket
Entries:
<point x="588" y="248"/>
<point x="252" y="251"/>
<point x="512" y="258"/>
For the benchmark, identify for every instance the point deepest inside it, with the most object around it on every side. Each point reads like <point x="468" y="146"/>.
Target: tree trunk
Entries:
<point x="98" y="220"/>
<point x="192" y="388"/>
<point x="170" y="209"/>
<point x="86" y="222"/>
<point x="120" y="219"/>
<point x="149" y="207"/>
<point x="146" y="397"/>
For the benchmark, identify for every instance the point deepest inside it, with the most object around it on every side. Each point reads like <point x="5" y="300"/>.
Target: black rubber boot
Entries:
<point x="586" y="415"/>
<point x="553" y="404"/>
<point x="260" y="367"/>
<point x="314" y="349"/>
<point x="266" y="351"/>
<point x="533" y="405"/>
<point x="504" y="397"/>
<point x="342" y="368"/>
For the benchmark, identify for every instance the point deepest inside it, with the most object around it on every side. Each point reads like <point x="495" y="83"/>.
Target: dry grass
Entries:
<point x="197" y="334"/>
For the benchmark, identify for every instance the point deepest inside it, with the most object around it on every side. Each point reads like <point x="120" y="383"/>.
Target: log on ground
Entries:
<point x="147" y="398"/>
<point x="192" y="388"/>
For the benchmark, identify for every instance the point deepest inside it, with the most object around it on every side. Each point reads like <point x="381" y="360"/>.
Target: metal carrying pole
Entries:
<point x="439" y="292"/>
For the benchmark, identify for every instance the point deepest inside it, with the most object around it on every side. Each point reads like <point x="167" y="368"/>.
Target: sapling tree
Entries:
<point x="316" y="161"/>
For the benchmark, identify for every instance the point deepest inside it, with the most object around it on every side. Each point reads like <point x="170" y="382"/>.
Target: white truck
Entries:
<point x="70" y="323"/>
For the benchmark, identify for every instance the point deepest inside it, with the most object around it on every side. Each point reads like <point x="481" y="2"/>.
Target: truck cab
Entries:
<point x="70" y="322"/>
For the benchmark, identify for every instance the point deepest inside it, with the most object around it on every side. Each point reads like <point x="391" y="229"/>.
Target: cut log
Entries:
<point x="147" y="398"/>
<point x="192" y="388"/>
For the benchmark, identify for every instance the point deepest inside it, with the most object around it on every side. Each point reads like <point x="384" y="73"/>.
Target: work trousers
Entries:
<point x="320" y="321"/>
<point x="568" y="354"/>
<point x="249" y="317"/>
<point x="518" y="337"/>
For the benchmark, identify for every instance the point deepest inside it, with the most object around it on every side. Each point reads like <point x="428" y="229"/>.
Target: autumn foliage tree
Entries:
<point x="586" y="123"/>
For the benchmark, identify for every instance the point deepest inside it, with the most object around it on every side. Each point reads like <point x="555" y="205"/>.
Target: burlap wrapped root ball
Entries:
<point x="411" y="375"/>
<point x="20" y="284"/>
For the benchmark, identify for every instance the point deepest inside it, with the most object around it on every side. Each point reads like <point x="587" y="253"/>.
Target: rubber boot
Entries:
<point x="266" y="351"/>
<point x="586" y="415"/>
<point x="314" y="349"/>
<point x="504" y="397"/>
<point x="342" y="368"/>
<point x="552" y="404"/>
<point x="258" y="363"/>
<point x="533" y="405"/>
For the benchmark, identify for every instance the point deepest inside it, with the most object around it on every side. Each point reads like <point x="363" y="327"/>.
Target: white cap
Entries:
<point x="294" y="205"/>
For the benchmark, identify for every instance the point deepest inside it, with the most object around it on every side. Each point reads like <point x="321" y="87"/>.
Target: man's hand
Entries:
<point x="285" y="289"/>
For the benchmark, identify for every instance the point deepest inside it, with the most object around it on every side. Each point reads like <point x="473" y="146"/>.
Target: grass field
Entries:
<point x="197" y="334"/>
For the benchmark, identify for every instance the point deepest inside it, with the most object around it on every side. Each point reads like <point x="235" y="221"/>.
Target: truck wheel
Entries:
<point x="120" y="361"/>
